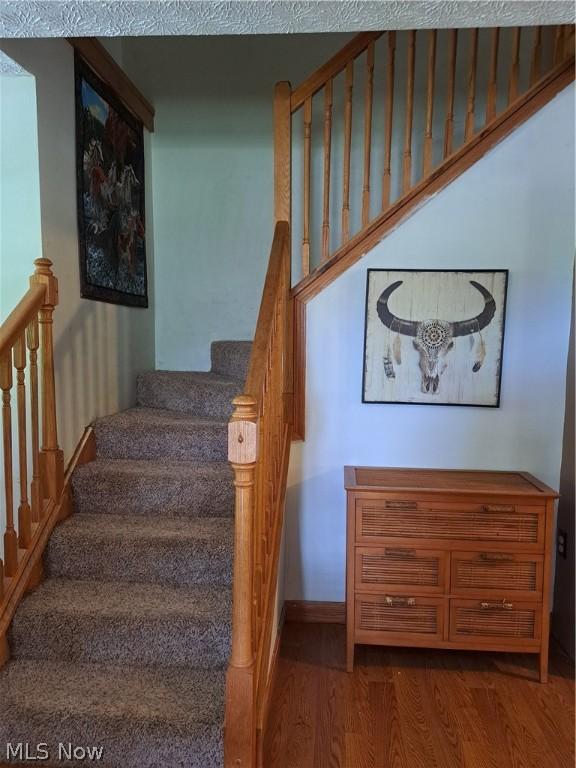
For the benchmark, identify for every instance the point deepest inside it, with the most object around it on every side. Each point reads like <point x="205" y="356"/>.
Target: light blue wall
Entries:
<point x="20" y="233"/>
<point x="513" y="209"/>
<point x="212" y="171"/>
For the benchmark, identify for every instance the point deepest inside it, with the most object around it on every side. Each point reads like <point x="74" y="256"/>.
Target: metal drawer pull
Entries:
<point x="504" y="605"/>
<point x="498" y="508"/>
<point x="494" y="557"/>
<point x="399" y="601"/>
<point x="401" y="505"/>
<point x="399" y="552"/>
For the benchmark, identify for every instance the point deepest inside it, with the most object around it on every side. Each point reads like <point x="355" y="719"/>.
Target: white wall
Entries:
<point x="98" y="347"/>
<point x="514" y="209"/>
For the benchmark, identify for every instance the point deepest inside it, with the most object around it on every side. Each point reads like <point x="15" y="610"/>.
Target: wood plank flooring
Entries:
<point x="413" y="708"/>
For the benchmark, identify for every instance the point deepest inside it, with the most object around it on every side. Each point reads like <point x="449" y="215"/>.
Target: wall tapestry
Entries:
<point x="434" y="337"/>
<point x="110" y="179"/>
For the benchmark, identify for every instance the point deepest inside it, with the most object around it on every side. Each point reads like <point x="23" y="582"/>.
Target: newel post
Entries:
<point x="240" y="727"/>
<point x="52" y="459"/>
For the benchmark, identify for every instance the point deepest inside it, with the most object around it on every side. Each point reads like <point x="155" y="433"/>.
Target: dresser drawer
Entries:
<point x="398" y="569"/>
<point x="497" y="573"/>
<point x="398" y="616"/>
<point x="495" y="621"/>
<point x="422" y="522"/>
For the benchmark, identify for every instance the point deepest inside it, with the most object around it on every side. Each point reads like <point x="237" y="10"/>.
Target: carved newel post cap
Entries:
<point x="244" y="408"/>
<point x="43" y="275"/>
<point x="43" y="267"/>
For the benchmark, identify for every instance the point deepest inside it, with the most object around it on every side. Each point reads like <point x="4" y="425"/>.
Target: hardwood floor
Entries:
<point x="413" y="708"/>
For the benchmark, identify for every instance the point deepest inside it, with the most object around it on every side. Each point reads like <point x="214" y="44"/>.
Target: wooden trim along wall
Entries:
<point x="311" y="612"/>
<point x="267" y="702"/>
<point x="97" y="57"/>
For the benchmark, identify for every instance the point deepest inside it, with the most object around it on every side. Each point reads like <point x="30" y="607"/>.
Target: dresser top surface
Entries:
<point x="444" y="480"/>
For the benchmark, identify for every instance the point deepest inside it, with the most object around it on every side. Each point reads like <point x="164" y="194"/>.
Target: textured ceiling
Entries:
<point x="110" y="18"/>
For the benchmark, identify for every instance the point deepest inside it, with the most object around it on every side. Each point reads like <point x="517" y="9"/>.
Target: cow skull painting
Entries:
<point x="434" y="337"/>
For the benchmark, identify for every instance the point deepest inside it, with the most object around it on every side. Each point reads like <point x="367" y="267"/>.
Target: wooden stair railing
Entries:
<point x="442" y="99"/>
<point x="259" y="438"/>
<point x="37" y="460"/>
<point x="516" y="62"/>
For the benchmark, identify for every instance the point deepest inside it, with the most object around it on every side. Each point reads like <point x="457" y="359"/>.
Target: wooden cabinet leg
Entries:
<point x="349" y="656"/>
<point x="544" y="666"/>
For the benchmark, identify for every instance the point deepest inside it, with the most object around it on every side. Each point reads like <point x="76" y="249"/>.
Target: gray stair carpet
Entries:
<point x="125" y="643"/>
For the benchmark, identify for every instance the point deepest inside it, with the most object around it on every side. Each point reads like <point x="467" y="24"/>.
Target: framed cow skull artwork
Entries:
<point x="434" y="337"/>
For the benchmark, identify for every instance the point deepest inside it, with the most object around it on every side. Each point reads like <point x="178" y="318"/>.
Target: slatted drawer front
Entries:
<point x="498" y="572"/>
<point x="400" y="615"/>
<point x="400" y="568"/>
<point x="416" y="520"/>
<point x="494" y="620"/>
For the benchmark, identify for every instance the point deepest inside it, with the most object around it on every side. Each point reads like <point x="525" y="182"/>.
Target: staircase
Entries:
<point x="141" y="640"/>
<point x="124" y="645"/>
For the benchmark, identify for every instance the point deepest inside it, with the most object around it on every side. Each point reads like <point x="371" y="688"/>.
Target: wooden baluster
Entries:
<point x="389" y="106"/>
<point x="568" y="41"/>
<point x="35" y="486"/>
<point x="449" y="129"/>
<point x="52" y="460"/>
<point x="282" y="156"/>
<point x="282" y="210"/>
<point x="1" y="580"/>
<point x="10" y="536"/>
<point x="240" y="711"/>
<point x="558" y="44"/>
<point x="348" y="86"/>
<point x="469" y="129"/>
<point x="493" y="76"/>
<point x="515" y="67"/>
<point x="24" y="522"/>
<point x="407" y="167"/>
<point x="327" y="156"/>
<point x="427" y="160"/>
<point x="536" y="56"/>
<point x="368" y="96"/>
<point x="307" y="163"/>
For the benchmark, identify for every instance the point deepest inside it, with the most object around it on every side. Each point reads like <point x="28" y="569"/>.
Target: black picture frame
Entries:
<point x="500" y="348"/>
<point x="110" y="177"/>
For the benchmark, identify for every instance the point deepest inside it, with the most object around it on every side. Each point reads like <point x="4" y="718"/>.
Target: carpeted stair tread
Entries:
<point x="142" y="717"/>
<point x="151" y="433"/>
<point x="231" y="358"/>
<point x="205" y="394"/>
<point x="141" y="549"/>
<point x="154" y="487"/>
<point x="119" y="622"/>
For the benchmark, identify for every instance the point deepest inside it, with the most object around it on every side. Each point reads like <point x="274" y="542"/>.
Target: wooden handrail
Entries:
<point x="21" y="316"/>
<point x="333" y="67"/>
<point x="264" y="326"/>
<point x="26" y="330"/>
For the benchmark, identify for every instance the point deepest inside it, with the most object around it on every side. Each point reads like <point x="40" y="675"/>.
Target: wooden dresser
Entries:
<point x="448" y="559"/>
